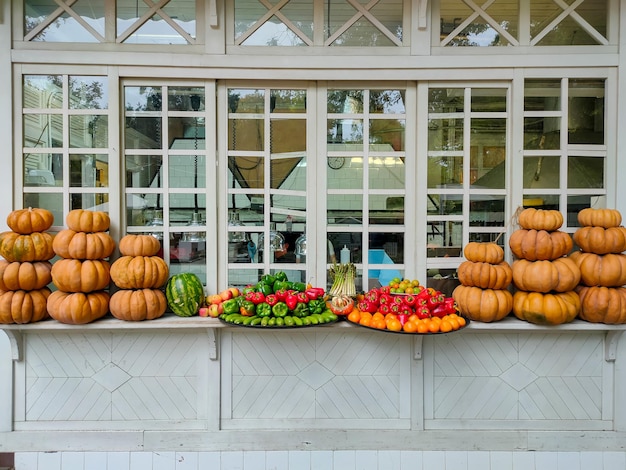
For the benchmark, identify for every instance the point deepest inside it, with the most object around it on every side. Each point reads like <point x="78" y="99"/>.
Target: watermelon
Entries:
<point x="185" y="294"/>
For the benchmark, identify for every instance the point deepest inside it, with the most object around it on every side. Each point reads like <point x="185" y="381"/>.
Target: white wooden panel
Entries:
<point x="73" y="460"/>
<point x="278" y="459"/>
<point x="254" y="460"/>
<point x="410" y="460"/>
<point x="531" y="381"/>
<point x="321" y="460"/>
<point x="315" y="378"/>
<point x="366" y="460"/>
<point x="118" y="461"/>
<point x="95" y="460"/>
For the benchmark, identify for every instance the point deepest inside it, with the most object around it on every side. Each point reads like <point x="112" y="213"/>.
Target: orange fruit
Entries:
<point x="445" y="326"/>
<point x="433" y="326"/>
<point x="454" y="323"/>
<point x="422" y="326"/>
<point x="461" y="321"/>
<point x="394" y="325"/>
<point x="378" y="316"/>
<point x="354" y="316"/>
<point x="365" y="321"/>
<point x="409" y="327"/>
<point x="378" y="324"/>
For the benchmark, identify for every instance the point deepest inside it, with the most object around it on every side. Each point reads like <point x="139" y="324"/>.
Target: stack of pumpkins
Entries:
<point x="25" y="271"/>
<point x="545" y="277"/>
<point x="602" y="265"/>
<point x="139" y="274"/>
<point x="83" y="274"/>
<point x="485" y="277"/>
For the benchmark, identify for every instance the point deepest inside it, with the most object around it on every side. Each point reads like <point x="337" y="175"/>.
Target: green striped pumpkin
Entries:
<point x="185" y="294"/>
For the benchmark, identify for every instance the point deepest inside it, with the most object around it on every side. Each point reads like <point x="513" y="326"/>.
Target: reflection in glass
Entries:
<point x="89" y="131"/>
<point x="445" y="134"/>
<point x="494" y="237"/>
<point x="542" y="172"/>
<point x="182" y="207"/>
<point x="445" y="204"/>
<point x="288" y="101"/>
<point x="387" y="135"/>
<point x="185" y="98"/>
<point x="287" y="136"/>
<point x="389" y="14"/>
<point x="50" y="201"/>
<point x="384" y="210"/>
<point x="288" y="173"/>
<point x="88" y="92"/>
<point x="542" y="201"/>
<point x="351" y="174"/>
<point x="42" y="91"/>
<point x="43" y="130"/>
<point x="586" y="112"/>
<point x="386" y="173"/>
<point x="247" y="171"/>
<point x="585" y="172"/>
<point x="387" y="102"/>
<point x="446" y="100"/>
<point x="186" y="133"/>
<point x="246" y="134"/>
<point x="347" y="132"/>
<point x="486" y="210"/>
<point x="345" y="209"/>
<point x="542" y="95"/>
<point x="488" y="153"/>
<point x="344" y="101"/>
<point x="144" y="171"/>
<point x="577" y="203"/>
<point x="444" y="239"/>
<point x="173" y="23"/>
<point x="143" y="133"/>
<point x="89" y="171"/>
<point x="445" y="171"/>
<point x="246" y="100"/>
<point x="64" y="27"/>
<point x="542" y="133"/>
<point x="488" y="100"/>
<point x="187" y="171"/>
<point x="43" y="169"/>
<point x="90" y="201"/>
<point x="143" y="98"/>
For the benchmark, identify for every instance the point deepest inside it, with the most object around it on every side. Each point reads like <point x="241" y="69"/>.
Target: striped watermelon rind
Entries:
<point x="185" y="294"/>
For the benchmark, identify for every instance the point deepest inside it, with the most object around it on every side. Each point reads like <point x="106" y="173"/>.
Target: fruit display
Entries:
<point x="185" y="294"/>
<point x="544" y="276"/>
<point x="83" y="274"/>
<point x="602" y="265"/>
<point x="485" y="278"/>
<point x="422" y="310"/>
<point x="276" y="302"/>
<point x="25" y="271"/>
<point x="139" y="274"/>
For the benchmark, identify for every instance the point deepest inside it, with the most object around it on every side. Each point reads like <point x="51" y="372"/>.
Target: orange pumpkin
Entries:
<point x="139" y="272"/>
<point x="599" y="217"/>
<point x="24" y="276"/>
<point x="138" y="305"/>
<point x="601" y="270"/>
<point x="36" y="246"/>
<point x="485" y="275"/>
<point x="536" y="245"/>
<point x="81" y="220"/>
<point x="27" y="221"/>
<point x="83" y="245"/>
<point x="600" y="240"/>
<point x="139" y="245"/>
<point x="73" y="275"/>
<point x="560" y="275"/>
<point x="546" y="308"/>
<point x="602" y="304"/>
<point x="78" y="308"/>
<point x="484" y="252"/>
<point x="22" y="306"/>
<point x="484" y="305"/>
<point x="540" y="219"/>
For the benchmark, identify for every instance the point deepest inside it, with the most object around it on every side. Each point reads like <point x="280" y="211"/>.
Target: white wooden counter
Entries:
<point x="192" y="384"/>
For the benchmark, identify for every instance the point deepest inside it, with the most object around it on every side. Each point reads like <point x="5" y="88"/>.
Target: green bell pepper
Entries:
<point x="247" y="308"/>
<point x="317" y="305"/>
<point x="299" y="286"/>
<point x="278" y="285"/>
<point x="280" y="309"/>
<point x="268" y="279"/>
<point x="280" y="276"/>
<point x="265" y="288"/>
<point x="301" y="310"/>
<point x="231" y="306"/>
<point x="263" y="310"/>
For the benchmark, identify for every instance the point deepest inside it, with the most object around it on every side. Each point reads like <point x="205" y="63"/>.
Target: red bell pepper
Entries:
<point x="291" y="299"/>
<point x="281" y="294"/>
<point x="435" y="300"/>
<point x="271" y="300"/>
<point x="314" y="293"/>
<point x="255" y="297"/>
<point x="373" y="295"/>
<point x="422" y="312"/>
<point x="384" y="309"/>
<point x="303" y="297"/>
<point x="385" y="299"/>
<point x="367" y="306"/>
<point x="410" y="300"/>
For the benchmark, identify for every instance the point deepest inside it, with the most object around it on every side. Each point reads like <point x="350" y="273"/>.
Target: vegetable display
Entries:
<point x="185" y="294"/>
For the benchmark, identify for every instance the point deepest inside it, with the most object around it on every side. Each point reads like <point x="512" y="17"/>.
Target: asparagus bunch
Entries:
<point x="343" y="275"/>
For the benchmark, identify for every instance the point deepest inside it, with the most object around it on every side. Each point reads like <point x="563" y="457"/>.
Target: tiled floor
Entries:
<point x="321" y="460"/>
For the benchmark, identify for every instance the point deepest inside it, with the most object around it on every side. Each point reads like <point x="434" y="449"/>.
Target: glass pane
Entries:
<point x="64" y="28"/>
<point x="288" y="136"/>
<point x="480" y="33"/>
<point x="387" y="102"/>
<point x="289" y="202"/>
<point x="445" y="204"/>
<point x="445" y="239"/>
<point x="352" y="241"/>
<point x="568" y="32"/>
<point x="489" y="100"/>
<point x="183" y="206"/>
<point x="542" y="133"/>
<point x="387" y="135"/>
<point x="186" y="133"/>
<point x="273" y="33"/>
<point x="577" y="203"/>
<point x="345" y="101"/>
<point x="186" y="98"/>
<point x="445" y="171"/>
<point x="542" y="95"/>
<point x="144" y="171"/>
<point x="345" y="209"/>
<point x="344" y="172"/>
<point x="497" y="237"/>
<point x="288" y="101"/>
<point x="345" y="134"/>
<point x="50" y="201"/>
<point x="445" y="134"/>
<point x="595" y="13"/>
<point x="247" y="171"/>
<point x="586" y="112"/>
<point x="363" y="32"/>
<point x="142" y="98"/>
<point x="93" y="201"/>
<point x="139" y="214"/>
<point x="386" y="248"/>
<point x="243" y="277"/>
<point x="187" y="171"/>
<point x="250" y="208"/>
<point x="288" y="173"/>
<point x="43" y="169"/>
<point x="246" y="134"/>
<point x="487" y="210"/>
<point x="89" y="171"/>
<point x="88" y="93"/>
<point x="386" y="173"/>
<point x="488" y="153"/>
<point x="143" y="133"/>
<point x="446" y="100"/>
<point x="379" y="212"/>
<point x="155" y="30"/>
<point x="585" y="172"/>
<point x="541" y="172"/>
<point x="542" y="201"/>
<point x="43" y="130"/>
<point x="246" y="101"/>
<point x="42" y="91"/>
<point x="89" y="131"/>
